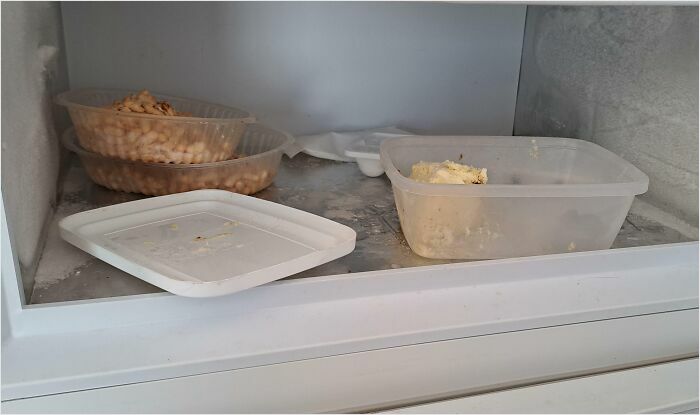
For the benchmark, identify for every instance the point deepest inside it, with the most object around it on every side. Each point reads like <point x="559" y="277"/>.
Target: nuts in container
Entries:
<point x="248" y="174"/>
<point x="140" y="127"/>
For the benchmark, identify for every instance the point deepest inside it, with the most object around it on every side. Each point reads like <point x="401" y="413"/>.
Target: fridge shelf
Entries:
<point x="334" y="190"/>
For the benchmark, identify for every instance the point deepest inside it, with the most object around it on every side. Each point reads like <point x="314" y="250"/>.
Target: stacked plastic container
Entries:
<point x="214" y="146"/>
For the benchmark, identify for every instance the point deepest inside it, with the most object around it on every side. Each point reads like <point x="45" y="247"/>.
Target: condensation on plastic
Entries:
<point x="545" y="195"/>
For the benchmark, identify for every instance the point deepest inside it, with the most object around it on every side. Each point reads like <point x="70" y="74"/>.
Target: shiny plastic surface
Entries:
<point x="211" y="134"/>
<point x="545" y="195"/>
<point x="262" y="146"/>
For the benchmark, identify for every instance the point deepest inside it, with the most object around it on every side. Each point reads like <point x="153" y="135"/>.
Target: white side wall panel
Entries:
<point x="33" y="70"/>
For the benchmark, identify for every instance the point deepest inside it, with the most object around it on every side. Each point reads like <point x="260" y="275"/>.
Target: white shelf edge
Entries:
<point x="161" y="307"/>
<point x="320" y="317"/>
<point x="81" y="345"/>
<point x="396" y="377"/>
<point x="659" y="388"/>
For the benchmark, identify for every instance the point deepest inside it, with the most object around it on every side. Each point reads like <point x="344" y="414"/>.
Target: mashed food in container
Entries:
<point x="447" y="172"/>
<point x="440" y="227"/>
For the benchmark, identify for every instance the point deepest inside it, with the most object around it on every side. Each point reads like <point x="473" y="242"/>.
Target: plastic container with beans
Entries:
<point x="170" y="130"/>
<point x="262" y="146"/>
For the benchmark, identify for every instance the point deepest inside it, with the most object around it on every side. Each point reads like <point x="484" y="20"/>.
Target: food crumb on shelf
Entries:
<point x="534" y="151"/>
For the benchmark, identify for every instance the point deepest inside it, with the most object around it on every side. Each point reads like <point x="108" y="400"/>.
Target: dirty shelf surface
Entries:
<point x="335" y="190"/>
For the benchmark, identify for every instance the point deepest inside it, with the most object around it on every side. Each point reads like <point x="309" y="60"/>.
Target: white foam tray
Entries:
<point x="207" y="243"/>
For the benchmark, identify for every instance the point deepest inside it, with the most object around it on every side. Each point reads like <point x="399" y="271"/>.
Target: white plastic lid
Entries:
<point x="207" y="243"/>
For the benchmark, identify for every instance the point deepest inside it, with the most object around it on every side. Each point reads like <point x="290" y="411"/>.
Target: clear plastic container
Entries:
<point x="262" y="146"/>
<point x="211" y="134"/>
<point x="543" y="196"/>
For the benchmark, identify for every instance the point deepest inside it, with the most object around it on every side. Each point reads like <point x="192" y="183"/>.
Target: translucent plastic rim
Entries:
<point x="64" y="99"/>
<point x="638" y="185"/>
<point x="70" y="141"/>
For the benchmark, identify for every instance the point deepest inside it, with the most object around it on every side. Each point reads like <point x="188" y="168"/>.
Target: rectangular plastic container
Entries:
<point x="262" y="146"/>
<point x="211" y="134"/>
<point x="544" y="195"/>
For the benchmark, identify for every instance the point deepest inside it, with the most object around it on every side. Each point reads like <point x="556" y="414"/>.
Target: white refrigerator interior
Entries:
<point x="366" y="325"/>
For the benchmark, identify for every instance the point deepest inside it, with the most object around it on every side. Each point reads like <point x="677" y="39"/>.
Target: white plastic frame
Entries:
<point x="81" y="345"/>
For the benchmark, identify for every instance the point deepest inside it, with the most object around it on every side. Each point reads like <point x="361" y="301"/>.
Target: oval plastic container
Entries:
<point x="211" y="134"/>
<point x="262" y="146"/>
<point x="544" y="196"/>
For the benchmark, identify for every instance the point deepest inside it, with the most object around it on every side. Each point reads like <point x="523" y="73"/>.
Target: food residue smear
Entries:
<point x="209" y="238"/>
